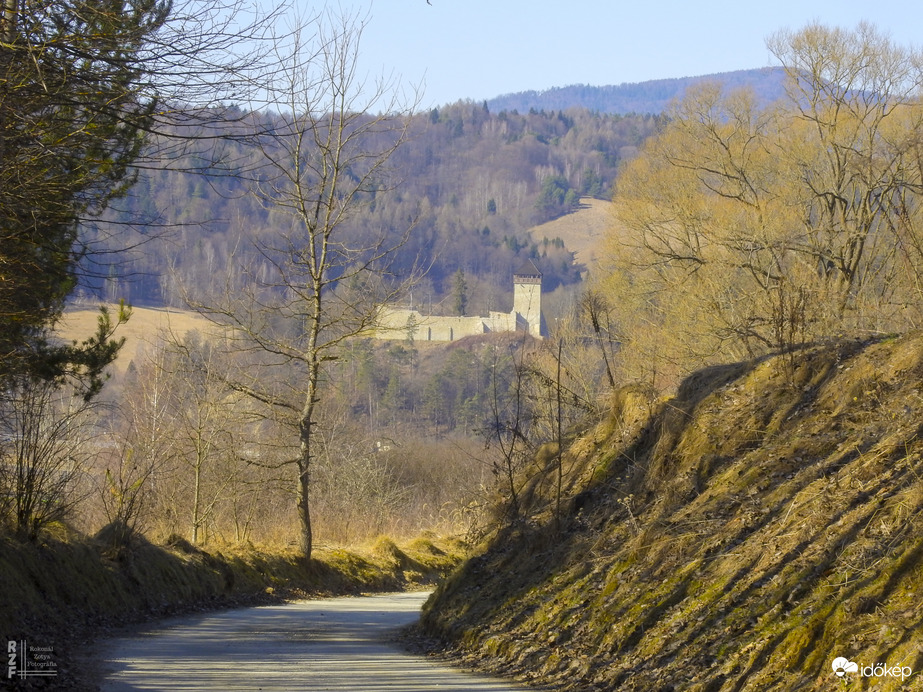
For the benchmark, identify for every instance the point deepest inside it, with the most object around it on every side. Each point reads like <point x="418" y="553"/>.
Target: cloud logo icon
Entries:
<point x="842" y="666"/>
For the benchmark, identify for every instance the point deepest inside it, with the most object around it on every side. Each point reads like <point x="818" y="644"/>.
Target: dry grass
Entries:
<point x="69" y="588"/>
<point x="762" y="522"/>
<point x="582" y="230"/>
<point x="145" y="325"/>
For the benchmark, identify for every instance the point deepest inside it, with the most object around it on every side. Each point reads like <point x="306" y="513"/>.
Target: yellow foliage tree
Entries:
<point x="743" y="228"/>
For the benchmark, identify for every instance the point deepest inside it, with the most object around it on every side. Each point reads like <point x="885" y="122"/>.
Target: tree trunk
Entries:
<point x="197" y="482"/>
<point x="304" y="465"/>
<point x="304" y="508"/>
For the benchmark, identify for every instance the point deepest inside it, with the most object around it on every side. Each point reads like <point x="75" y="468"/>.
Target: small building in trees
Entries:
<point x="526" y="316"/>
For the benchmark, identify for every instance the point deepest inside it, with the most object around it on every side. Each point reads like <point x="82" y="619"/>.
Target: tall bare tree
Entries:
<point x="137" y="472"/>
<point x="320" y="280"/>
<point x="211" y="425"/>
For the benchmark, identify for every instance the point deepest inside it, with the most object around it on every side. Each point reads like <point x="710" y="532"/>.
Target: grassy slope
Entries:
<point x="582" y="230"/>
<point x="144" y="327"/>
<point x="67" y="589"/>
<point x="738" y="536"/>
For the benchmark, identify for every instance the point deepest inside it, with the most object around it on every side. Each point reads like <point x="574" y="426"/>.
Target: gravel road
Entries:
<point x="329" y="644"/>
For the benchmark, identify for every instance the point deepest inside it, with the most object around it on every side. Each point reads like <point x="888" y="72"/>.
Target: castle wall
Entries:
<point x="526" y="316"/>
<point x="399" y="323"/>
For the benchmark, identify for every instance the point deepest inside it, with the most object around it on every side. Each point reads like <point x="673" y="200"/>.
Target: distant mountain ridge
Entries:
<point x="643" y="97"/>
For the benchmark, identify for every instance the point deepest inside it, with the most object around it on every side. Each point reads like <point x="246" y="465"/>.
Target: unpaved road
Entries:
<point x="330" y="644"/>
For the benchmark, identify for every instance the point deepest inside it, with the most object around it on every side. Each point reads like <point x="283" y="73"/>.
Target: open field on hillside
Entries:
<point x="582" y="231"/>
<point x="145" y="325"/>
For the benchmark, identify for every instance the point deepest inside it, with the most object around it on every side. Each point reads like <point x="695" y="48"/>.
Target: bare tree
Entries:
<point x="596" y="308"/>
<point x="136" y="473"/>
<point x="509" y="428"/>
<point x="45" y="434"/>
<point x="211" y="422"/>
<point x="320" y="280"/>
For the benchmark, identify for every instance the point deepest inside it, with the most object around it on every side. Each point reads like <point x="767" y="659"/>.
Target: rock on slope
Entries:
<point x="741" y="535"/>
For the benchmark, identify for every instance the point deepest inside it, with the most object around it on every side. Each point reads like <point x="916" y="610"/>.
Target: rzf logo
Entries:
<point x="27" y="661"/>
<point x="11" y="666"/>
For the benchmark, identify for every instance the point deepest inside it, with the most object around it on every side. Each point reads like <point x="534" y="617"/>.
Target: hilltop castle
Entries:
<point x="526" y="316"/>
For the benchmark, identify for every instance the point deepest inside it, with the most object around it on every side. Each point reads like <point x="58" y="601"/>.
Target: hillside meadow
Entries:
<point x="145" y="328"/>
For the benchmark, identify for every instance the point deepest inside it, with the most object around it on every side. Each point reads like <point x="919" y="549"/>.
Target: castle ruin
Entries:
<point x="526" y="316"/>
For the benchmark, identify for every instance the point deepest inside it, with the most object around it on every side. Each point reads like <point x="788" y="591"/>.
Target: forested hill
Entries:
<point x="644" y="97"/>
<point x="471" y="181"/>
<point x="473" y="178"/>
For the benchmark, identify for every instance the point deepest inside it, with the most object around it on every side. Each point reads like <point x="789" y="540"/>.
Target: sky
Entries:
<point x="479" y="49"/>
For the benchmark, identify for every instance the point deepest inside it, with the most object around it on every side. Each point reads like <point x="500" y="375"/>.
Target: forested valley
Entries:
<point x="410" y="432"/>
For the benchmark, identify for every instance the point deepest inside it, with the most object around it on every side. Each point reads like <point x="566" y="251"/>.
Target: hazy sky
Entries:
<point x="478" y="49"/>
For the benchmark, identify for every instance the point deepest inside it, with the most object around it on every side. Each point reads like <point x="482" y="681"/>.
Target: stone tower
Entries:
<point x="527" y="298"/>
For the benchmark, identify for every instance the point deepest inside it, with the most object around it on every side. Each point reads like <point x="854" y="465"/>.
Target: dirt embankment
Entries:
<point x="742" y="535"/>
